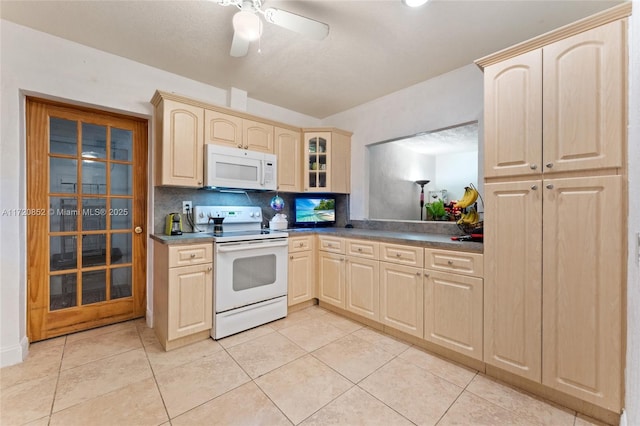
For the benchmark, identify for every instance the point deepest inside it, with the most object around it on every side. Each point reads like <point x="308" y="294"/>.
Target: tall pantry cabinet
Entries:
<point x="555" y="119"/>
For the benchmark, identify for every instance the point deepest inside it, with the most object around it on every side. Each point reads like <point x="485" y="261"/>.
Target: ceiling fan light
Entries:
<point x="414" y="3"/>
<point x="247" y="25"/>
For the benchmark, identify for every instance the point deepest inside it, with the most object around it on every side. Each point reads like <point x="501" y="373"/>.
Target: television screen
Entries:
<point x="315" y="210"/>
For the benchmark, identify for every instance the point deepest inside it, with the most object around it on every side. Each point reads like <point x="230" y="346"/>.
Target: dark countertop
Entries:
<point x="439" y="241"/>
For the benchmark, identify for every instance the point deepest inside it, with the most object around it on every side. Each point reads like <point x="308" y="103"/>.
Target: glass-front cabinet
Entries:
<point x="327" y="161"/>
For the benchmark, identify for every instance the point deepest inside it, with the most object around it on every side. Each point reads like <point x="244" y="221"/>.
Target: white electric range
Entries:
<point x="250" y="269"/>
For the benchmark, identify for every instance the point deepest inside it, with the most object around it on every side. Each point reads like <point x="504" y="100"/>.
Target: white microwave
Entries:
<point x="234" y="168"/>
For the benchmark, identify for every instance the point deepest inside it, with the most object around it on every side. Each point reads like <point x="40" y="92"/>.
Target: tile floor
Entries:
<point x="311" y="368"/>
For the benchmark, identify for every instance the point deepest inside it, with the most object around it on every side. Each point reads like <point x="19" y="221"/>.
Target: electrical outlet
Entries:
<point x="186" y="207"/>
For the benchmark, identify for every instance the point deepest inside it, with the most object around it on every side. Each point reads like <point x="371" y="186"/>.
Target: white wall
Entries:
<point x="36" y="63"/>
<point x="632" y="374"/>
<point x="452" y="98"/>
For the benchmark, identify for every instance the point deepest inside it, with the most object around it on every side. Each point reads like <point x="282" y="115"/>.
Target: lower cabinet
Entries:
<point x="331" y="278"/>
<point x="182" y="293"/>
<point x="301" y="273"/>
<point x="363" y="278"/>
<point x="402" y="298"/>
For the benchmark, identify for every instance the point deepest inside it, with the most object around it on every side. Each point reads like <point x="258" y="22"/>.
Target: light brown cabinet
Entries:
<point x="179" y="143"/>
<point x="555" y="136"/>
<point x="453" y="301"/>
<point x="237" y="132"/>
<point x="402" y="298"/>
<point x="288" y="149"/>
<point x="182" y="293"/>
<point x="327" y="161"/>
<point x="363" y="278"/>
<point x="301" y="277"/>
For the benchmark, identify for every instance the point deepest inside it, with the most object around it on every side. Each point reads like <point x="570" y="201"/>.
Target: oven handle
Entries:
<point x="231" y="247"/>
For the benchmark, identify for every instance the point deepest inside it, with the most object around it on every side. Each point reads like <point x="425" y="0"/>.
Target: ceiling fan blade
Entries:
<point x="239" y="46"/>
<point x="311" y="28"/>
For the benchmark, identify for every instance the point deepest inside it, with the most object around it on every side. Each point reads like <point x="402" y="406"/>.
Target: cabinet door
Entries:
<point x="301" y="277"/>
<point x="402" y="298"/>
<point x="181" y="156"/>
<point x="331" y="278"/>
<point x="584" y="100"/>
<point x="513" y="277"/>
<point x="257" y="136"/>
<point x="288" y="148"/>
<point x="316" y="167"/>
<point x="363" y="287"/>
<point x="340" y="163"/>
<point x="584" y="260"/>
<point x="513" y="116"/>
<point x="222" y="129"/>
<point x="453" y="312"/>
<point x="190" y="300"/>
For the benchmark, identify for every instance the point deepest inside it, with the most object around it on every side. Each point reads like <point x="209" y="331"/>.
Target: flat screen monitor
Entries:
<point x="315" y="210"/>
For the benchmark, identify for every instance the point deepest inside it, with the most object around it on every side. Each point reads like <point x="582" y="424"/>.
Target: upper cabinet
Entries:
<point x="179" y="143"/>
<point x="327" y="161"/>
<point x="574" y="86"/>
<point x="237" y="132"/>
<point x="288" y="149"/>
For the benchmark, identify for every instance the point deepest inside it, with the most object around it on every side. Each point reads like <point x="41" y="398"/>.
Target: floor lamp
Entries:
<point x="422" y="183"/>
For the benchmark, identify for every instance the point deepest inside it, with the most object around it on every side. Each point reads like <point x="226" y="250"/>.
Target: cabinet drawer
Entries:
<point x="362" y="248"/>
<point x="190" y="254"/>
<point x="304" y="243"/>
<point x="454" y="261"/>
<point x="405" y="255"/>
<point x="332" y="244"/>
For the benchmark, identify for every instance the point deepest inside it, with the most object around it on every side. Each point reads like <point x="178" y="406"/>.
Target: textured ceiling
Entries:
<point x="374" y="47"/>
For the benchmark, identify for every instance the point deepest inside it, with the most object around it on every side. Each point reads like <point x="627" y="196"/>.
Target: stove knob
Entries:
<point x="257" y="214"/>
<point x="252" y="214"/>
<point x="201" y="215"/>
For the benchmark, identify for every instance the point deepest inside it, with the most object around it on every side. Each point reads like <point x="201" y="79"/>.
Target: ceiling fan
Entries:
<point x="247" y="24"/>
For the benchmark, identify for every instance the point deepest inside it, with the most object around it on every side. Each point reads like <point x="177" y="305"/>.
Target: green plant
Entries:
<point x="436" y="209"/>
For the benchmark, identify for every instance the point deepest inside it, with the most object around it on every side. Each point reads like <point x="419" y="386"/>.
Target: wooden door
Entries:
<point x="363" y="287"/>
<point x="513" y="277"/>
<point x="513" y="116"/>
<point x="584" y="261"/>
<point x="288" y="149"/>
<point x="402" y="298"/>
<point x="301" y="277"/>
<point x="190" y="300"/>
<point x="222" y="129"/>
<point x="180" y="153"/>
<point x="331" y="278"/>
<point x="453" y="312"/>
<point x="584" y="100"/>
<point x="257" y="136"/>
<point x="86" y="243"/>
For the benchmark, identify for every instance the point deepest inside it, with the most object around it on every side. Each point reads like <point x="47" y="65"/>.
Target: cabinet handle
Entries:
<point x="418" y="273"/>
<point x="360" y="249"/>
<point x="193" y="255"/>
<point x="549" y="165"/>
<point x="550" y="186"/>
<point x="291" y="257"/>
<point x="450" y="262"/>
<point x="246" y="147"/>
<point x="426" y="275"/>
<point x="210" y="268"/>
<point x="533" y="166"/>
<point x="398" y="255"/>
<point x="199" y="182"/>
<point x="239" y="145"/>
<point x="342" y="259"/>
<point x="534" y="187"/>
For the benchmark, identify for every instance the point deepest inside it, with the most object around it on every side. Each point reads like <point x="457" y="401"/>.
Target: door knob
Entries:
<point x="138" y="230"/>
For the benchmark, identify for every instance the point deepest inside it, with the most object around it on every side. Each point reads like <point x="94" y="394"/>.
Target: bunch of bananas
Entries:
<point x="470" y="196"/>
<point x="469" y="218"/>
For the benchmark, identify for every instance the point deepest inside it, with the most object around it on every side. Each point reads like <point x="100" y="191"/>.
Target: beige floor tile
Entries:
<point x="245" y="336"/>
<point x="582" y="420"/>
<point x="197" y="382"/>
<point x="353" y="357"/>
<point x="356" y="407"/>
<point x="44" y="421"/>
<point x="315" y="310"/>
<point x="291" y="319"/>
<point x="415" y="393"/>
<point x="42" y="361"/>
<point x="245" y="405"/>
<point x="266" y="353"/>
<point x="302" y="387"/>
<point x="147" y="335"/>
<point x="79" y="352"/>
<point x="99" y="377"/>
<point x="455" y="373"/>
<point x="162" y="360"/>
<point x="127" y="325"/>
<point x="386" y="342"/>
<point x="470" y="409"/>
<point x="532" y="409"/>
<point x="312" y="334"/>
<point x="136" y="404"/>
<point x="344" y="324"/>
<point x="54" y="341"/>
<point x="27" y="401"/>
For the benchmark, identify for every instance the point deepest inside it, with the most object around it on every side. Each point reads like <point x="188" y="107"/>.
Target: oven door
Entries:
<point x="248" y="272"/>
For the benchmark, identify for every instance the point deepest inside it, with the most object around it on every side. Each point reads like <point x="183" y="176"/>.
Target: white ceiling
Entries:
<point x="374" y="47"/>
<point x="451" y="140"/>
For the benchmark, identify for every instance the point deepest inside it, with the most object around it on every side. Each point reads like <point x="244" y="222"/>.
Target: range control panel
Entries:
<point x="203" y="215"/>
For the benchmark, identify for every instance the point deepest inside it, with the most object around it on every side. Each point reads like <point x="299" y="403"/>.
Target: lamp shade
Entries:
<point x="247" y="25"/>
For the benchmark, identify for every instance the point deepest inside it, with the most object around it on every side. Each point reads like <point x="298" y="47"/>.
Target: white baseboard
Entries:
<point x="15" y="354"/>
<point x="623" y="418"/>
